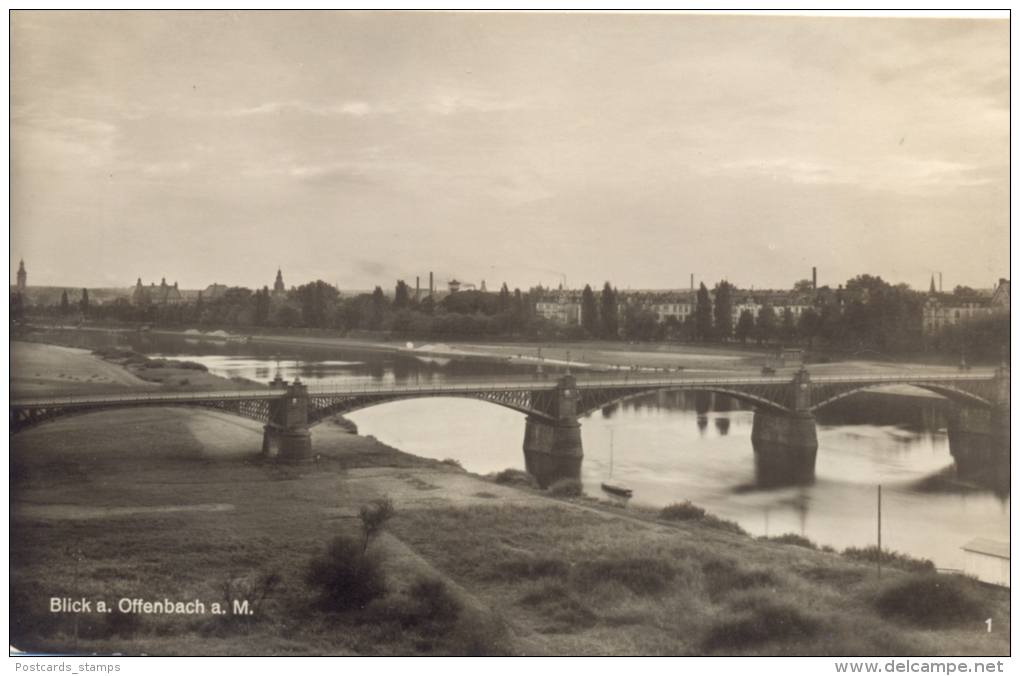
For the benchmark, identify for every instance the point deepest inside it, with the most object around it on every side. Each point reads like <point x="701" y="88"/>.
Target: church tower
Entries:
<point x="278" y="287"/>
<point x="22" y="277"/>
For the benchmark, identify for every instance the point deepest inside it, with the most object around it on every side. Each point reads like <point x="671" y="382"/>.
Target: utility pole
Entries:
<point x="880" y="531"/>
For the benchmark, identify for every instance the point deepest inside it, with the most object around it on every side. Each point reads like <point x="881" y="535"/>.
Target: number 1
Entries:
<point x="989" y="623"/>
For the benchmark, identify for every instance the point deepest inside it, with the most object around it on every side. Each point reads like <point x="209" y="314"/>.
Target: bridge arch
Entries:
<point x="321" y="408"/>
<point x="752" y="399"/>
<point x="950" y="393"/>
<point x="22" y="420"/>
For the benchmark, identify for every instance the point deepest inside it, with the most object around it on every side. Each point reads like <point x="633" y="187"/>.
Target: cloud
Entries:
<point x="446" y="104"/>
<point x="896" y="174"/>
<point x="347" y="108"/>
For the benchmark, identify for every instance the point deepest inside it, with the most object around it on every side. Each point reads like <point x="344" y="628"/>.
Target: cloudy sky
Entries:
<point x="365" y="148"/>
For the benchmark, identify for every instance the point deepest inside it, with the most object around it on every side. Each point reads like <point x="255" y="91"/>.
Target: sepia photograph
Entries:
<point x="422" y="333"/>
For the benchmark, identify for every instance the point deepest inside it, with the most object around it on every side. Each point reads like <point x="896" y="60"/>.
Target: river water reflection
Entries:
<point x="669" y="447"/>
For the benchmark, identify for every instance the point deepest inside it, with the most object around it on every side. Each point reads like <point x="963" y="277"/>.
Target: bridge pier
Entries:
<point x="979" y="439"/>
<point x="785" y="446"/>
<point x="552" y="448"/>
<point x="286" y="437"/>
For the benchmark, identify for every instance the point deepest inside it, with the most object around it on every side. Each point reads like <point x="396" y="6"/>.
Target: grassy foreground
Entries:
<point x="175" y="504"/>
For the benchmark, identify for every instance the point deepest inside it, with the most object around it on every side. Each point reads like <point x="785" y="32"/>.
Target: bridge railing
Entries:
<point x="484" y="384"/>
<point x="71" y="399"/>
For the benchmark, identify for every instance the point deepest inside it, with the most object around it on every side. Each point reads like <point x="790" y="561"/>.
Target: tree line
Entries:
<point x="867" y="314"/>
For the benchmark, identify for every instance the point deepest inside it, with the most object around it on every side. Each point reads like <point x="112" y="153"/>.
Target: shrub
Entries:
<point x="931" y="600"/>
<point x="346" y="576"/>
<point x="374" y="516"/>
<point x="184" y="381"/>
<point x="682" y="511"/>
<point x="712" y="521"/>
<point x="563" y="607"/>
<point x="641" y="575"/>
<point x="516" y="477"/>
<point x="567" y="488"/>
<point x="432" y="607"/>
<point x="726" y="575"/>
<point x="791" y="539"/>
<point x="889" y="558"/>
<point x="193" y="366"/>
<point x="761" y="620"/>
<point x="453" y="463"/>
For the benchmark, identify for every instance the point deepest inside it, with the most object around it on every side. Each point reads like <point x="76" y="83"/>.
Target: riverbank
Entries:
<point x="38" y="369"/>
<point x="728" y="359"/>
<point x="176" y="504"/>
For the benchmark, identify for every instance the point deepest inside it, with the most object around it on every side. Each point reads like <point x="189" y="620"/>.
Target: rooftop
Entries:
<point x="986" y="546"/>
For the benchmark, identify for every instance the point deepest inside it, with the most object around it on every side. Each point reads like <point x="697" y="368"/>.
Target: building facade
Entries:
<point x="943" y="310"/>
<point x="156" y="295"/>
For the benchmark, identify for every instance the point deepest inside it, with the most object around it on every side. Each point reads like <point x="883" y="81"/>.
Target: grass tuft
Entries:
<point x="515" y="477"/>
<point x="682" y="511"/>
<point x="533" y="568"/>
<point x="567" y="488"/>
<point x="567" y="612"/>
<point x="643" y="576"/>
<point x="790" y="539"/>
<point x="932" y="601"/>
<point x="688" y="511"/>
<point x="759" y="620"/>
<point x="713" y="521"/>
<point x="889" y="558"/>
<point x="726" y="575"/>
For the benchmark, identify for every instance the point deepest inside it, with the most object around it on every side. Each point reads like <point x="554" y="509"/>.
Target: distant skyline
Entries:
<point x="365" y="147"/>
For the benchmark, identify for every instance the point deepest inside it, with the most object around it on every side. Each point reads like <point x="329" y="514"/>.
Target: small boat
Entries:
<point x="610" y="485"/>
<point x="617" y="487"/>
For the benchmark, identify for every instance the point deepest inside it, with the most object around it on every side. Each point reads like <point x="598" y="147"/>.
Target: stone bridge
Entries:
<point x="783" y="434"/>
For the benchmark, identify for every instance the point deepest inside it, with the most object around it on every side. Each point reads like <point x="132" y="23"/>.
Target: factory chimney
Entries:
<point x="430" y="285"/>
<point x="692" y="281"/>
<point x="814" y="278"/>
<point x="417" y="289"/>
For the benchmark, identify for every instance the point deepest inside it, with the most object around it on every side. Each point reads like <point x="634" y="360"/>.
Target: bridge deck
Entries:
<point x="586" y="381"/>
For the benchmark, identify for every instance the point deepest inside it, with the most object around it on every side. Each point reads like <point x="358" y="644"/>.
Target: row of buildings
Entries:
<point x="940" y="310"/>
<point x="564" y="306"/>
<point x="164" y="294"/>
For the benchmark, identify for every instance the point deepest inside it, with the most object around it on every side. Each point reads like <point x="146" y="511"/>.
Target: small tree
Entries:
<point x="789" y="328"/>
<point x="589" y="312"/>
<point x="401" y="298"/>
<point x="379" y="305"/>
<point x="347" y="575"/>
<point x="609" y="315"/>
<point x="723" y="310"/>
<point x="703" y="315"/>
<point x="373" y="517"/>
<point x="65" y="306"/>
<point x="84" y="303"/>
<point x="504" y="299"/>
<point x="745" y="326"/>
<point x="766" y="326"/>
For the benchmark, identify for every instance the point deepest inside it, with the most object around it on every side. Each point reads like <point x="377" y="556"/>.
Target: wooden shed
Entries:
<point x="987" y="560"/>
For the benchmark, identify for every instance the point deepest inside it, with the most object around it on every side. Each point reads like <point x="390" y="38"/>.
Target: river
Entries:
<point x="668" y="447"/>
